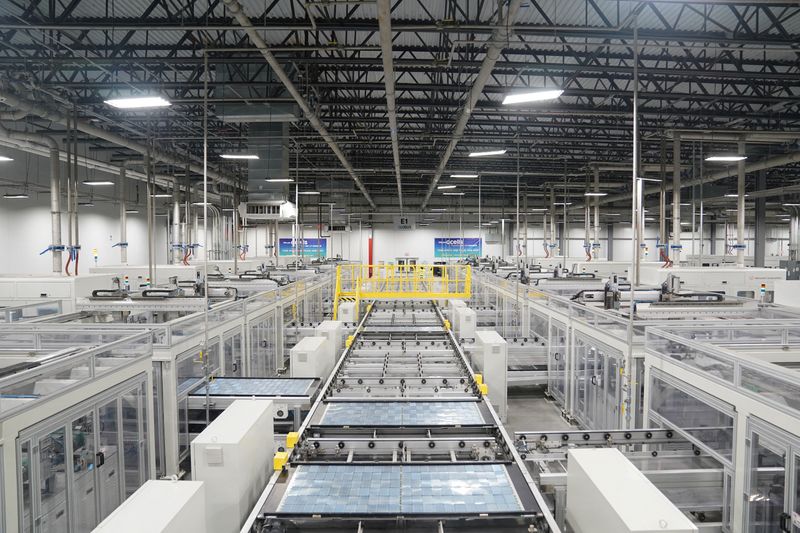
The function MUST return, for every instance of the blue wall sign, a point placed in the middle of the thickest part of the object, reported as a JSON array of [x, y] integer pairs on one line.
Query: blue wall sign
[[310, 247], [445, 247]]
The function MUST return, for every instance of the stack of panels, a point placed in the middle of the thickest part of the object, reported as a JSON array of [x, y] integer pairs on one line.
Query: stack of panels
[[400, 489]]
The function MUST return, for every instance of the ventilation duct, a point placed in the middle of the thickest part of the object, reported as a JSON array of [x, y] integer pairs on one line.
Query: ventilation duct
[[250, 84]]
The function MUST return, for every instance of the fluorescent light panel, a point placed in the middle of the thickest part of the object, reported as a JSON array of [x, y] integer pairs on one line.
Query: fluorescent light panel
[[453, 194], [279, 180], [5, 158], [735, 195], [16, 195], [138, 102], [239, 156], [725, 158], [532, 96], [487, 153], [309, 193], [463, 175], [162, 195], [94, 183], [442, 187], [593, 193]]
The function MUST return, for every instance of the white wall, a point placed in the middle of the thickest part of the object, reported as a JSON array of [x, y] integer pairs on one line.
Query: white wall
[[388, 243], [26, 232]]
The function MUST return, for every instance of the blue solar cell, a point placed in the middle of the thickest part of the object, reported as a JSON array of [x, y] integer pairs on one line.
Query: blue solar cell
[[418, 489], [401, 414]]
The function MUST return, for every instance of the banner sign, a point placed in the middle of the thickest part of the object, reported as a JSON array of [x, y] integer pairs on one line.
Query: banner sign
[[310, 247], [457, 247]]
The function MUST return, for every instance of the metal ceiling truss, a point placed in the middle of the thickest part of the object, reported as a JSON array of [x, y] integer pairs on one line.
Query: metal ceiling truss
[[715, 65]]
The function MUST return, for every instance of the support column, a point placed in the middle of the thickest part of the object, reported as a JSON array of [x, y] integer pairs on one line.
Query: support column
[[610, 242], [740, 246], [760, 248], [676, 199], [123, 218]]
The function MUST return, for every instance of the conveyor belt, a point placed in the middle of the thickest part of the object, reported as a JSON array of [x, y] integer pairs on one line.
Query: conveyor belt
[[402, 439]]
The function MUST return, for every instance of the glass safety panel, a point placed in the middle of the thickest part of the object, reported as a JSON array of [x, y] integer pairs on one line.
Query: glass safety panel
[[83, 468], [52, 514], [795, 518], [767, 485], [108, 458], [133, 440], [557, 363], [232, 348], [687, 410], [183, 427], [24, 483]]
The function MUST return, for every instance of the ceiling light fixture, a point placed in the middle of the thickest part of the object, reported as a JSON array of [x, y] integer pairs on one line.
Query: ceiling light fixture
[[562, 203], [162, 195], [735, 195], [791, 205], [239, 156], [533, 96], [16, 195], [86, 204], [138, 102], [595, 193], [309, 193], [488, 153], [5, 158], [440, 209], [453, 194], [463, 175], [650, 179], [279, 180], [725, 158], [131, 211], [441, 187], [94, 183]]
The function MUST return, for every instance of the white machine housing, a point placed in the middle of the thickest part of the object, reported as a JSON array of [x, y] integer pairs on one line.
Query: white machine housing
[[309, 358], [232, 457], [490, 358], [17, 289], [347, 312], [733, 281], [606, 493], [160, 507], [465, 322], [334, 332]]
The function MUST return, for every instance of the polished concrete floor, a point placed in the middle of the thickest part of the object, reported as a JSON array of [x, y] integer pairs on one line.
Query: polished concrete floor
[[529, 410]]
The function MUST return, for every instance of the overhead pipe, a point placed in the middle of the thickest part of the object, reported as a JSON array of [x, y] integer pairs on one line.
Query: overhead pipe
[[237, 11], [499, 38], [740, 246], [385, 25], [55, 186], [59, 117], [676, 200]]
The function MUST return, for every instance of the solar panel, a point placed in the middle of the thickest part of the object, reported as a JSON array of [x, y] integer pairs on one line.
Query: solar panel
[[414, 489], [402, 414], [258, 387]]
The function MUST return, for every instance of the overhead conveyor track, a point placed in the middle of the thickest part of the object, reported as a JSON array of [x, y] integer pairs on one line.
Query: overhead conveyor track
[[403, 438]]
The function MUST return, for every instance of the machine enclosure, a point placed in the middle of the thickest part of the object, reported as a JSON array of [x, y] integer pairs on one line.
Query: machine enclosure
[[606, 493], [310, 358], [232, 456], [160, 507], [333, 330], [490, 358]]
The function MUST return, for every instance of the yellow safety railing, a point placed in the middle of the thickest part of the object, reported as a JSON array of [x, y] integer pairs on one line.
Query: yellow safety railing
[[400, 282]]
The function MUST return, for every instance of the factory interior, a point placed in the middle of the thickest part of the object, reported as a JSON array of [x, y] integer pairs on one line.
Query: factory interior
[[412, 266]]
